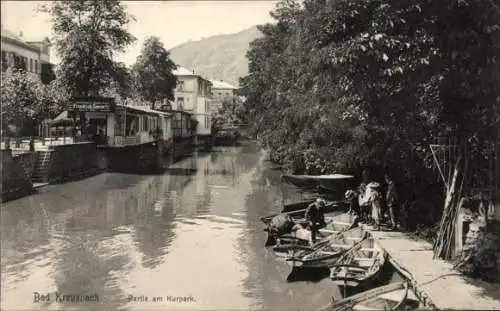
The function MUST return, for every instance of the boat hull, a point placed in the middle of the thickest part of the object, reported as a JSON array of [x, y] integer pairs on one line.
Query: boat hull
[[322, 262], [141, 158], [394, 296], [360, 265]]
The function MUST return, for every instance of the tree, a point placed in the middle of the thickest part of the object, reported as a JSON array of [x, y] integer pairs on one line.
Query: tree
[[152, 72], [88, 33], [337, 85], [232, 111], [121, 86], [47, 75], [26, 101]]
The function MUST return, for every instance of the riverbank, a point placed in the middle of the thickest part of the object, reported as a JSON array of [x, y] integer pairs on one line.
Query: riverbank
[[436, 280]]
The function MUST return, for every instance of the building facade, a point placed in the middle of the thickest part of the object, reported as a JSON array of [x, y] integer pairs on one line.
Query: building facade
[[33, 56], [221, 91], [193, 94]]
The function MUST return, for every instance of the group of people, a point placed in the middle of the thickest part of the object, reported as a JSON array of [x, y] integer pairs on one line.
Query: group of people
[[367, 202], [370, 204]]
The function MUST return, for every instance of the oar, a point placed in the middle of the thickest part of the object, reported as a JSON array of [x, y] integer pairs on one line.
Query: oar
[[286, 213]]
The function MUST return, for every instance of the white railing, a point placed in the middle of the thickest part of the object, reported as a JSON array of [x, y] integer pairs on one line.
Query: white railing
[[39, 144], [130, 140]]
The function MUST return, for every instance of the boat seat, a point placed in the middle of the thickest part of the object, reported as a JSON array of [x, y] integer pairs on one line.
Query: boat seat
[[341, 246], [341, 223], [329, 231]]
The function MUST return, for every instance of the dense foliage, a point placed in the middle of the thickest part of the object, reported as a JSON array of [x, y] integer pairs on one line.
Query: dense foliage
[[231, 111], [26, 101], [337, 85], [153, 74], [88, 33]]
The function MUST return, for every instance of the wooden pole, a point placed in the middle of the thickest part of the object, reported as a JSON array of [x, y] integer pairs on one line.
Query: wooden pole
[[446, 219]]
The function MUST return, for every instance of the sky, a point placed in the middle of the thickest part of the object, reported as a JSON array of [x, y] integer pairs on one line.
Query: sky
[[174, 22]]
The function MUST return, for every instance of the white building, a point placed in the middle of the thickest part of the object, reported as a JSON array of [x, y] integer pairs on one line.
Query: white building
[[221, 91], [32, 55], [193, 94]]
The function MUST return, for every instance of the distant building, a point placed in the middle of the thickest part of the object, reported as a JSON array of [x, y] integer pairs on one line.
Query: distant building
[[31, 55], [193, 94], [221, 91]]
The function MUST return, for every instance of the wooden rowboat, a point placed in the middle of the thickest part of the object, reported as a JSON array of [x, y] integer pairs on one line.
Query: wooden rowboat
[[360, 264], [298, 210], [395, 297], [335, 224], [326, 253]]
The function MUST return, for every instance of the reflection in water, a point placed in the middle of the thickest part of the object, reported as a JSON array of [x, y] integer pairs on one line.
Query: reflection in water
[[194, 231]]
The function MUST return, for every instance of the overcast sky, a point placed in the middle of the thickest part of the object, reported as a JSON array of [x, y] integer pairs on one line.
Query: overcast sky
[[175, 22]]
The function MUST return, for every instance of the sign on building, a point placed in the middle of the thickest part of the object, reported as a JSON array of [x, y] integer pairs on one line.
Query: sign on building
[[92, 105]]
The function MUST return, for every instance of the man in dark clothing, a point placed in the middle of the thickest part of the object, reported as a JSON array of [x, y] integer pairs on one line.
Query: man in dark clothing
[[315, 216], [391, 199], [352, 199]]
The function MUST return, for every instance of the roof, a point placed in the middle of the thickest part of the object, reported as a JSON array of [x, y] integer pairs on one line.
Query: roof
[[14, 38], [9, 34], [182, 71], [146, 109], [222, 85]]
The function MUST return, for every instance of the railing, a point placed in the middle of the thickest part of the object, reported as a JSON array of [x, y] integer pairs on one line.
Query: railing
[[129, 140], [20, 145]]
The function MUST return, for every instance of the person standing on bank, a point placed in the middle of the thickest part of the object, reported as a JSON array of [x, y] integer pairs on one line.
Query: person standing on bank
[[375, 199], [391, 199], [315, 216], [363, 197]]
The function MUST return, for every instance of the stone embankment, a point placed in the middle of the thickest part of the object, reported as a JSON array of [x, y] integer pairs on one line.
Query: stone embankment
[[15, 182], [436, 282], [53, 165]]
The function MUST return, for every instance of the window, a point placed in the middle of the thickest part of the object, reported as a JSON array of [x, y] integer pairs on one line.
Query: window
[[31, 65], [207, 121], [180, 85], [36, 66], [207, 106], [145, 123], [180, 103]]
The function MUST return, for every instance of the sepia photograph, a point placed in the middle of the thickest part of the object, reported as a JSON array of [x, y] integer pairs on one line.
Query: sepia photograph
[[309, 155]]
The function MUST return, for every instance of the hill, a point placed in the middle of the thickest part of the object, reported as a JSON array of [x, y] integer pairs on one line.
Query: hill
[[220, 57]]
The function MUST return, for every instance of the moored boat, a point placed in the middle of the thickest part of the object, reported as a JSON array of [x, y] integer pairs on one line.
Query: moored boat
[[395, 296], [297, 235], [360, 264], [280, 226], [326, 253], [296, 211]]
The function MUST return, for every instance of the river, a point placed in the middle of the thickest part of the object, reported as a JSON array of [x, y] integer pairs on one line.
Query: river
[[193, 232]]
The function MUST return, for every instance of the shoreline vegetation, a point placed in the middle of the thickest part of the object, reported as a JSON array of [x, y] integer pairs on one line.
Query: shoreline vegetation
[[391, 86]]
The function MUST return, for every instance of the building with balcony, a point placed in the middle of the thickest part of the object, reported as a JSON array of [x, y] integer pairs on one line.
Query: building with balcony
[[193, 94], [33, 56]]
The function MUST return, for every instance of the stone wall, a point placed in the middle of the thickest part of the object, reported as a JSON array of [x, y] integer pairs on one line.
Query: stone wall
[[28, 162], [15, 183], [72, 162]]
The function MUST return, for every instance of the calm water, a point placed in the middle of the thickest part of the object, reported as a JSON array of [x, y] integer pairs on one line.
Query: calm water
[[192, 232]]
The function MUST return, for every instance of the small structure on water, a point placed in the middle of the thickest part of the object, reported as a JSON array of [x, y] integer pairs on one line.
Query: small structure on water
[[132, 138]]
